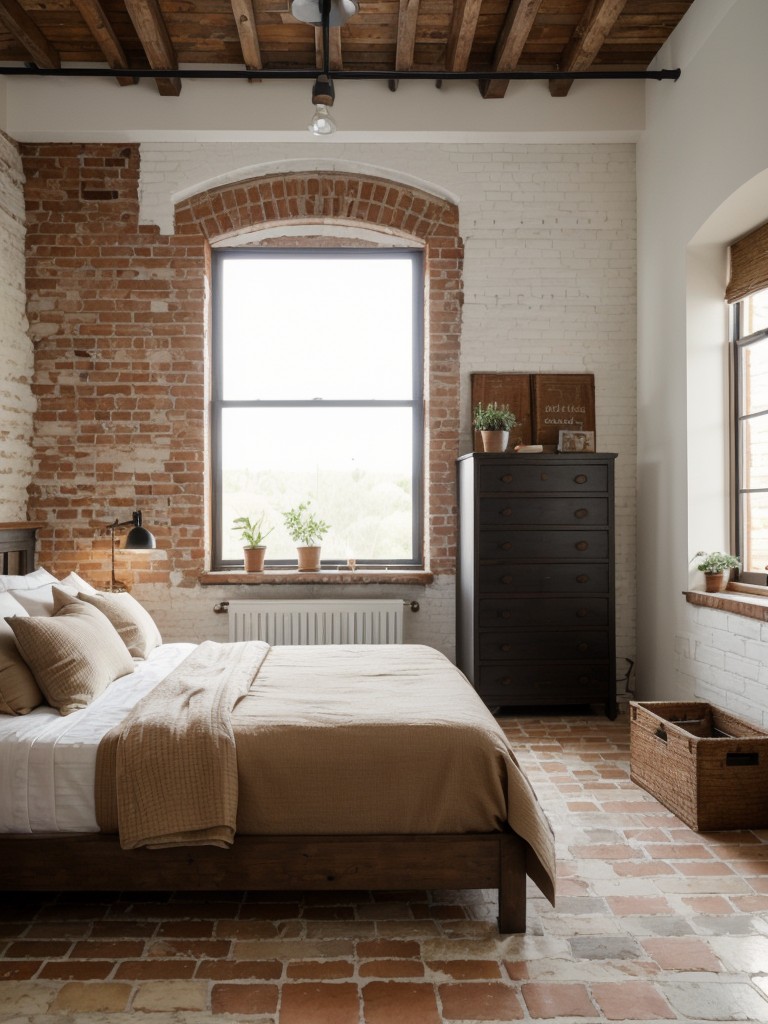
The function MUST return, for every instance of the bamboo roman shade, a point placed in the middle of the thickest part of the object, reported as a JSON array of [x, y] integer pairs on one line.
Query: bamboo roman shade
[[749, 264]]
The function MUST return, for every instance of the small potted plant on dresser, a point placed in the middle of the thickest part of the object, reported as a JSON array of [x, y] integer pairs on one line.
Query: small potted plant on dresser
[[306, 531], [494, 423], [253, 537], [716, 567]]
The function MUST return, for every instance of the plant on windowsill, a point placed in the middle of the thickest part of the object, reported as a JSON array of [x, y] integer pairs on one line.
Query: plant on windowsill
[[716, 567], [306, 531], [253, 536], [494, 423]]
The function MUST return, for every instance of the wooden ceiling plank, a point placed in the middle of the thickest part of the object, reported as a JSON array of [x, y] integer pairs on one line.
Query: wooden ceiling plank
[[245, 19], [462, 34], [24, 29], [102, 31], [153, 34], [407, 18], [599, 18], [521, 15]]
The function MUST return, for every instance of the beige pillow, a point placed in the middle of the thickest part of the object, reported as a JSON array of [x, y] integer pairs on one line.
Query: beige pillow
[[19, 692], [74, 654], [133, 622]]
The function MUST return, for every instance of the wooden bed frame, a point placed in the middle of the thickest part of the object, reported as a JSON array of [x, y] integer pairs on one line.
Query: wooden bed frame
[[96, 862]]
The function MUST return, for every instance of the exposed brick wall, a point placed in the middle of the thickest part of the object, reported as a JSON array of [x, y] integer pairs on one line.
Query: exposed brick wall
[[118, 313], [16, 354]]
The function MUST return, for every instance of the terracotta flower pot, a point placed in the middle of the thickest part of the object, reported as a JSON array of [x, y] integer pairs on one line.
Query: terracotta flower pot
[[309, 558], [495, 440], [714, 582], [253, 558]]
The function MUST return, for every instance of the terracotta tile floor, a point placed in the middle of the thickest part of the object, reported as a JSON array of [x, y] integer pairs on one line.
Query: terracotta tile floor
[[654, 922]]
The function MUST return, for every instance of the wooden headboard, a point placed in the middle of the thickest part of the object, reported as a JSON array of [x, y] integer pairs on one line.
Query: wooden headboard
[[17, 547]]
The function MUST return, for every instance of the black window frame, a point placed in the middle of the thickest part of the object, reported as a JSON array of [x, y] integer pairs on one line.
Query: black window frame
[[218, 404], [739, 343]]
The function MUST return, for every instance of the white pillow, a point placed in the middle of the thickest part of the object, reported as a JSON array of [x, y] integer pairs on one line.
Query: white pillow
[[77, 584], [31, 581]]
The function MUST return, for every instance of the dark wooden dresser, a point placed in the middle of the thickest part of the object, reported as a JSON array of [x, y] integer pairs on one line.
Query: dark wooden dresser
[[535, 579]]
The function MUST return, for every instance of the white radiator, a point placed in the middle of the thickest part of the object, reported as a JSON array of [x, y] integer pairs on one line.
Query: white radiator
[[317, 622]]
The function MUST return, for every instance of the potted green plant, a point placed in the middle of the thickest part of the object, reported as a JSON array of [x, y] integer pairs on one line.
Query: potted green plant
[[253, 536], [306, 531], [494, 423], [715, 565]]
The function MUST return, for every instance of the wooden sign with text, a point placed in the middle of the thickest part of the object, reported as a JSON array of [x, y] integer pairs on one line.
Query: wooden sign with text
[[544, 404]]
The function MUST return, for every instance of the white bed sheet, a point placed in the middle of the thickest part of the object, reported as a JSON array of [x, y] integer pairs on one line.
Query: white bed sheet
[[48, 760]]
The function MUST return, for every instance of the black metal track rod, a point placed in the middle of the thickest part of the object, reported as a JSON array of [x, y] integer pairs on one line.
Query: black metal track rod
[[243, 73]]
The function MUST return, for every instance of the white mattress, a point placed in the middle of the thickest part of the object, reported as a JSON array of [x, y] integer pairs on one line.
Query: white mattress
[[48, 760]]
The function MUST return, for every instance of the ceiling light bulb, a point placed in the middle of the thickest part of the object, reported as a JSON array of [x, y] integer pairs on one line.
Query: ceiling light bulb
[[322, 123]]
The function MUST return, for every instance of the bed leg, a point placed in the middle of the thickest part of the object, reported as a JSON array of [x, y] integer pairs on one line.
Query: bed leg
[[512, 883]]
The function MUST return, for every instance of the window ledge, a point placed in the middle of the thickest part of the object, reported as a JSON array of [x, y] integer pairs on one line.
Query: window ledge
[[329, 576], [753, 604]]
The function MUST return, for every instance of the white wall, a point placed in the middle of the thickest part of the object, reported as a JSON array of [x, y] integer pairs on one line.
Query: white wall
[[549, 285], [16, 355], [704, 142]]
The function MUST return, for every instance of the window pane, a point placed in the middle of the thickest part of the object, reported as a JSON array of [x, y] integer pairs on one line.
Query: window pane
[[754, 455], [304, 328], [755, 531], [754, 377], [754, 313], [355, 466]]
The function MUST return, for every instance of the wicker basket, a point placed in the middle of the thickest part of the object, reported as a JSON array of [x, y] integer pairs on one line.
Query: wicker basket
[[707, 767]]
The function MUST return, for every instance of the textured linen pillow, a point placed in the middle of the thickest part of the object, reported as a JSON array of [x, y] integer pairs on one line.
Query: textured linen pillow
[[19, 692], [132, 621], [77, 584], [74, 654]]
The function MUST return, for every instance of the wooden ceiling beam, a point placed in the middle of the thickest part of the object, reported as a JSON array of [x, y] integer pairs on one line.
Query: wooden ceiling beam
[[462, 34], [586, 41], [20, 25], [153, 34], [335, 59], [245, 19], [521, 15], [407, 18], [100, 28]]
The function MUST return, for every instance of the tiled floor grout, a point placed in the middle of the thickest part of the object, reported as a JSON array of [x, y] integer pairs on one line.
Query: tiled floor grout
[[653, 922]]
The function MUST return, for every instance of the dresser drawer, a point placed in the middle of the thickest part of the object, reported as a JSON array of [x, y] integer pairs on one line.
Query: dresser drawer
[[524, 476], [542, 684], [544, 578], [545, 645], [555, 544], [573, 510], [498, 613]]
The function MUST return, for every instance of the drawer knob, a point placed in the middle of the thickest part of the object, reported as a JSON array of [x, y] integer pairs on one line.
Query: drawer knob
[[582, 545], [584, 679], [506, 647], [583, 578], [505, 615], [506, 681], [580, 479], [507, 478], [545, 476], [581, 613], [506, 511], [582, 647], [507, 579], [506, 546], [581, 513]]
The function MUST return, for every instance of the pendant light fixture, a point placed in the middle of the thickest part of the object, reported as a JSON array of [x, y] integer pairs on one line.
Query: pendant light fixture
[[326, 13]]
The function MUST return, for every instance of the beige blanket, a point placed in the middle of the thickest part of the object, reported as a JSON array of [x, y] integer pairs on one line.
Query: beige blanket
[[374, 740], [168, 772]]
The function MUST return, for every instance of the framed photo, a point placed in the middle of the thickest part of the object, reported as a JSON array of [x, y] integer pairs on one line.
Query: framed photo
[[576, 441]]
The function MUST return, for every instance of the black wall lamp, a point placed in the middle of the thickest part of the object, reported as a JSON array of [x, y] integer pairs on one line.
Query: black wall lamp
[[138, 539]]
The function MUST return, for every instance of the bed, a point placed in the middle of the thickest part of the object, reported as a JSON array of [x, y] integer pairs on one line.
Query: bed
[[345, 798]]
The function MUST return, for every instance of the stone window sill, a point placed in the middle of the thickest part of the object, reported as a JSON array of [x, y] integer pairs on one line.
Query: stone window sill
[[738, 599], [326, 576]]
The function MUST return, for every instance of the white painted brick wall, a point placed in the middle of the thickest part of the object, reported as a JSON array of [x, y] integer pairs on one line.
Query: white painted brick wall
[[549, 283], [723, 658], [16, 353]]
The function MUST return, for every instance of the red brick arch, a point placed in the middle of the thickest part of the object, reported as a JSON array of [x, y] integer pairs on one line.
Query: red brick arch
[[390, 207]]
